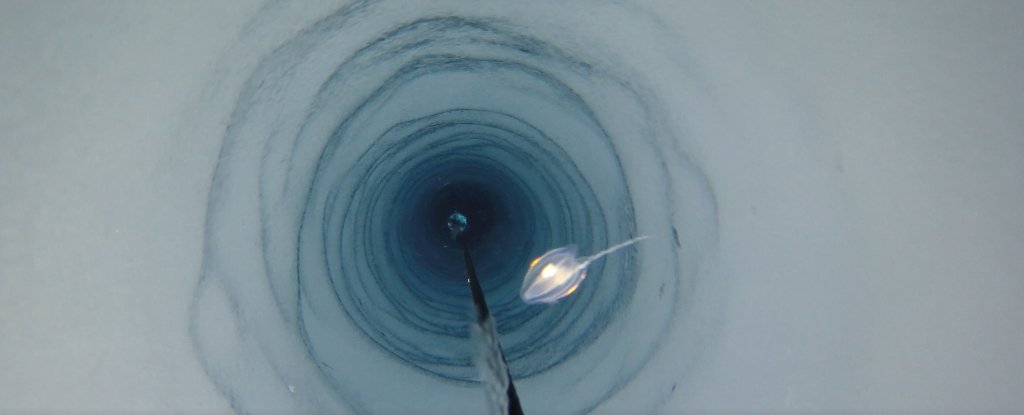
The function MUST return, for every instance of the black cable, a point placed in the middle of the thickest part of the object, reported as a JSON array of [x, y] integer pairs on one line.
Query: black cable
[[457, 224]]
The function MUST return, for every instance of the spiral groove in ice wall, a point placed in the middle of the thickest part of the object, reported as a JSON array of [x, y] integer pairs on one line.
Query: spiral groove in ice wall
[[325, 228]]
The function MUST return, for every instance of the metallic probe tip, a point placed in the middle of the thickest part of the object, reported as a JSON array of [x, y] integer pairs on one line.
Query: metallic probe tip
[[457, 224]]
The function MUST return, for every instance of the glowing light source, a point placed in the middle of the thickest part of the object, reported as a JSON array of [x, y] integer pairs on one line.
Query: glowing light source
[[559, 272]]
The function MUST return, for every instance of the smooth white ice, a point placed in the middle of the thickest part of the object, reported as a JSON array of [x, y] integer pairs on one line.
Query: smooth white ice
[[870, 191]]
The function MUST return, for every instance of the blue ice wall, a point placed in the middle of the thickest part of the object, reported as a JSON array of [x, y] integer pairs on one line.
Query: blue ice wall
[[239, 206], [344, 154]]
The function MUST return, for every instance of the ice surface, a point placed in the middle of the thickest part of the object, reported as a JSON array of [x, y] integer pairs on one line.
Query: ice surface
[[833, 193]]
